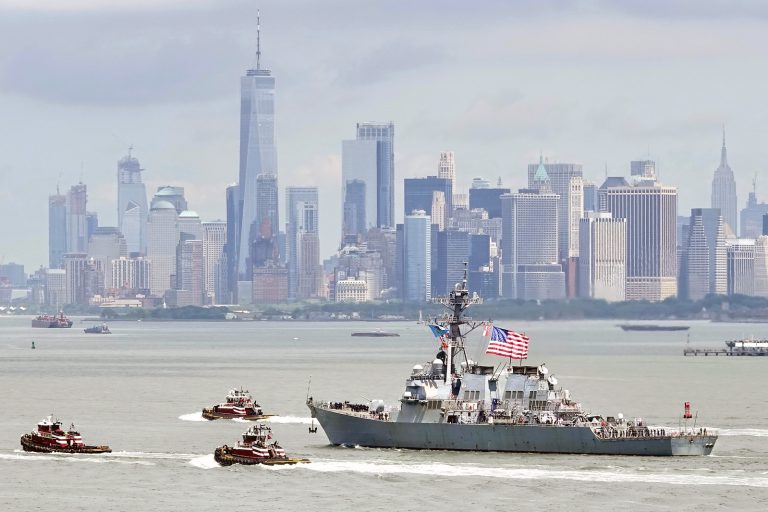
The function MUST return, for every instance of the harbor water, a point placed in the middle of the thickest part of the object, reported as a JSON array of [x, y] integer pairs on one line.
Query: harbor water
[[141, 390]]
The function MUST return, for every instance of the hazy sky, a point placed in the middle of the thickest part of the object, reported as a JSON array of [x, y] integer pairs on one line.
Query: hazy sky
[[597, 82]]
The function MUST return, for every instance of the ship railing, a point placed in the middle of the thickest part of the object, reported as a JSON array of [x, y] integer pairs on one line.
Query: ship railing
[[612, 432]]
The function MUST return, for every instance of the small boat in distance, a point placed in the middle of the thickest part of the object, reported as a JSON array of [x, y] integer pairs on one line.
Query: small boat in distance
[[255, 448], [653, 327], [239, 404], [52, 321], [98, 329], [378, 333], [50, 437]]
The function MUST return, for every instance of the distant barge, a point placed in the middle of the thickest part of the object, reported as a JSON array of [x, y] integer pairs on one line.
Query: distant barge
[[653, 327], [375, 334]]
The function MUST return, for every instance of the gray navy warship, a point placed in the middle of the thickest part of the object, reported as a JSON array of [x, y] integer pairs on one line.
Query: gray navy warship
[[454, 403]]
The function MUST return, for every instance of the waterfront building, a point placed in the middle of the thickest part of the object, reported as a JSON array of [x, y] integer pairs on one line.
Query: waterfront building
[[705, 255], [190, 277], [13, 274], [258, 156], [57, 229], [761, 266], [529, 235], [77, 225], [566, 180], [162, 241], [131, 203], [741, 266], [214, 243], [476, 221], [752, 217], [107, 244], [417, 257], [541, 281], [84, 278], [351, 290], [270, 284], [651, 212], [724, 190], [384, 242], [295, 197], [602, 257], [55, 288], [130, 276]]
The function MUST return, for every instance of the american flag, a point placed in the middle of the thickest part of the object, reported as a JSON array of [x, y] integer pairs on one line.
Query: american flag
[[508, 343]]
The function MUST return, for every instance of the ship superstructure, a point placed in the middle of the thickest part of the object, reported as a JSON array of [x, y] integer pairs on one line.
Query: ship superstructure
[[455, 403], [239, 404]]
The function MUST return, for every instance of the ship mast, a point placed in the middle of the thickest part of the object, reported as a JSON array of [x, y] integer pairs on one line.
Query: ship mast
[[457, 302]]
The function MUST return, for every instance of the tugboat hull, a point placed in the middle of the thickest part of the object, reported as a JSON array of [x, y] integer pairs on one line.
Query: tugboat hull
[[210, 414], [351, 430], [28, 444], [225, 458]]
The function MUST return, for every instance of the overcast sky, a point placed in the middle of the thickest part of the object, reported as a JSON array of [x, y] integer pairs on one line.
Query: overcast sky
[[597, 82]]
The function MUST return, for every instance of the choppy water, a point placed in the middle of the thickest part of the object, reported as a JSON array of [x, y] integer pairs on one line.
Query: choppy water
[[140, 390]]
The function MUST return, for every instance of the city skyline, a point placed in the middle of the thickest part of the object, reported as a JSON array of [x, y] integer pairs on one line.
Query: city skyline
[[202, 161]]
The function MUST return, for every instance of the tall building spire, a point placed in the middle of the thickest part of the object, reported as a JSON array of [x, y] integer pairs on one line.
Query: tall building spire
[[258, 39], [723, 152]]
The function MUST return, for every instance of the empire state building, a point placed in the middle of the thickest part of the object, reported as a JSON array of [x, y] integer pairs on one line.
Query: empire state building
[[724, 190]]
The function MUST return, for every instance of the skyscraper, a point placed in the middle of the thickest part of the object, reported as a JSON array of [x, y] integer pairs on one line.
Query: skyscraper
[[294, 196], [265, 227], [529, 236], [131, 203], [741, 266], [417, 264], [233, 233], [162, 241], [258, 155], [643, 169], [77, 226], [57, 230], [651, 212], [214, 242], [602, 257], [761, 266], [359, 169], [446, 167], [706, 255], [384, 135], [107, 244], [309, 276], [566, 180], [419, 194], [724, 190], [488, 199], [752, 216], [354, 220]]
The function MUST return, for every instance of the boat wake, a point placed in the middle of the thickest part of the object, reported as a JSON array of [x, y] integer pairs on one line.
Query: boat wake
[[529, 473], [151, 455], [746, 432], [195, 416], [205, 462], [290, 419], [70, 457]]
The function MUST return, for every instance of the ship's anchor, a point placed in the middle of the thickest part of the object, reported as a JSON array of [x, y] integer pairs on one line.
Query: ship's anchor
[[312, 427]]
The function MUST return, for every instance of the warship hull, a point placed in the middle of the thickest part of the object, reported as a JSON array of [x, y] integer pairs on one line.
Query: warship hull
[[352, 430]]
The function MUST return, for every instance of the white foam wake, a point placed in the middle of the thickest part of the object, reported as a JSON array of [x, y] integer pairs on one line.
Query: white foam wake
[[528, 473], [195, 416], [290, 419], [205, 462], [748, 432], [151, 455], [69, 457]]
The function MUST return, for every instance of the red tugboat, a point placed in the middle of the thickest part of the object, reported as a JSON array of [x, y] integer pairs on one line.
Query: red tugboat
[[255, 448], [239, 404], [50, 437]]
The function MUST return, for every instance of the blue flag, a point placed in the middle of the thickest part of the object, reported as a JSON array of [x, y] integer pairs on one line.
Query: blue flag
[[438, 331]]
